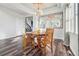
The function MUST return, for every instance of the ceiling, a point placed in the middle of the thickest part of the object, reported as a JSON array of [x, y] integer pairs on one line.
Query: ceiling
[[28, 8], [46, 5]]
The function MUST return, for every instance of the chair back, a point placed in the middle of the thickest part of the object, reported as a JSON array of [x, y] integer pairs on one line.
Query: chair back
[[49, 33]]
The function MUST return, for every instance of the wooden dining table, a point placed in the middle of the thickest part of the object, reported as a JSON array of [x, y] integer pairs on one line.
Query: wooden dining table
[[35, 35]]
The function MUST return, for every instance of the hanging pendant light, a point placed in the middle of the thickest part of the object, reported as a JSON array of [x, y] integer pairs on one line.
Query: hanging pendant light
[[38, 7]]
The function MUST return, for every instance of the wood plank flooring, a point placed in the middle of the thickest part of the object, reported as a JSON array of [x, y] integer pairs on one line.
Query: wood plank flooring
[[58, 50], [13, 47]]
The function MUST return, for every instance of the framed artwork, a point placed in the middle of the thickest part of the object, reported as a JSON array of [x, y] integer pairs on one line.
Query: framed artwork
[[28, 24], [52, 20]]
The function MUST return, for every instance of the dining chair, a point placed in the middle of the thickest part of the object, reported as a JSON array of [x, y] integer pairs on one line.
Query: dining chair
[[27, 40], [24, 41], [38, 38], [49, 38]]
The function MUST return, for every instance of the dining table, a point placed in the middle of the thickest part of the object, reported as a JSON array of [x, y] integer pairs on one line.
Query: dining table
[[38, 36]]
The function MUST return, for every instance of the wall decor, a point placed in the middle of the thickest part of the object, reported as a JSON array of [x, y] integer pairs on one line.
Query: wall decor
[[54, 20]]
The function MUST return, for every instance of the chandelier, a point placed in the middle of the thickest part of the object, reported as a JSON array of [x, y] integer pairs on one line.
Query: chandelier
[[39, 8]]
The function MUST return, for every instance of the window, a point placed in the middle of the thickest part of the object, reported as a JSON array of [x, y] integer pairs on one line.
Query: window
[[76, 16], [71, 18]]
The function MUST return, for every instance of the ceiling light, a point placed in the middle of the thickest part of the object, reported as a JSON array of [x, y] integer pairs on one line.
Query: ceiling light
[[39, 8]]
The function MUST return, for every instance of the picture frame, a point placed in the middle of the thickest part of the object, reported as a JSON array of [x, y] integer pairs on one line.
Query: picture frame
[[55, 20]]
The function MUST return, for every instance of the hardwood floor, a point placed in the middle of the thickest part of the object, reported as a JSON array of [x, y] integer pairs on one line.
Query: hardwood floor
[[13, 47], [58, 50]]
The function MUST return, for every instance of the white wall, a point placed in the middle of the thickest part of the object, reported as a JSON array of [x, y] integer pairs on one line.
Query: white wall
[[59, 34], [20, 26], [74, 43], [11, 23]]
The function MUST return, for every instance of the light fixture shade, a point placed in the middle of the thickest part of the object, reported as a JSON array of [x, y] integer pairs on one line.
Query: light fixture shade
[[39, 8]]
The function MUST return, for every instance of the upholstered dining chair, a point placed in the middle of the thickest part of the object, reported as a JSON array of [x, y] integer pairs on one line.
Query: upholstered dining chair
[[24, 41], [38, 38], [49, 38], [27, 40]]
